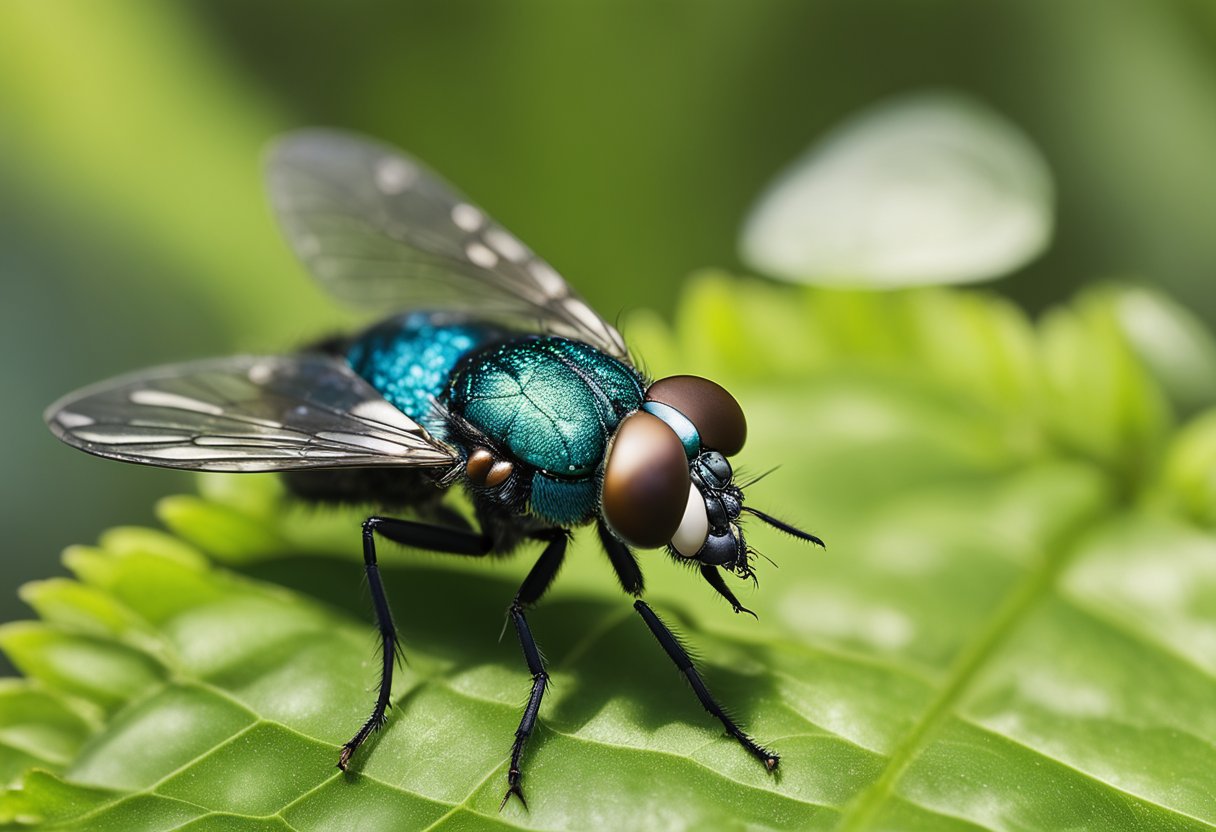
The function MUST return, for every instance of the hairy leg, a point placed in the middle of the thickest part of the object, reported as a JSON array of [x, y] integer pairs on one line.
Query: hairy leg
[[534, 586], [420, 536], [680, 656]]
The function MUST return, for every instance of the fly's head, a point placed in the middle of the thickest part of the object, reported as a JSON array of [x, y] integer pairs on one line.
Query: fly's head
[[668, 482], [709, 531]]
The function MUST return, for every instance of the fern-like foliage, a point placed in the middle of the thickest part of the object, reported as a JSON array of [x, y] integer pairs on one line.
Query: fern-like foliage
[[1014, 626]]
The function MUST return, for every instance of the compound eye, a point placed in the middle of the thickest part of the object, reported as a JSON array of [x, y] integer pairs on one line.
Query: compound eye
[[694, 528], [646, 482], [713, 411]]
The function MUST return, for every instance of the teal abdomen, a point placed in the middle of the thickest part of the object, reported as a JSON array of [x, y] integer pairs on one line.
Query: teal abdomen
[[552, 402], [410, 360]]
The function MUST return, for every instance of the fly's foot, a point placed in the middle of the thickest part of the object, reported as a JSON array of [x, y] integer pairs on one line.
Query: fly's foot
[[344, 755], [513, 778]]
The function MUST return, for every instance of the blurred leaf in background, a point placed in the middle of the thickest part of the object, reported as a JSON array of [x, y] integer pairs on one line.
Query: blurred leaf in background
[[931, 188]]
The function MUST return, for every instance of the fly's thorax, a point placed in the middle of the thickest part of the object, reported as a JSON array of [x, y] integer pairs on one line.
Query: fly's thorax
[[549, 406], [550, 402], [667, 480]]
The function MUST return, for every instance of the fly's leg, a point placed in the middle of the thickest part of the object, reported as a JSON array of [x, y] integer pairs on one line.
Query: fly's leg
[[713, 576], [624, 564], [680, 656], [534, 586], [418, 536]]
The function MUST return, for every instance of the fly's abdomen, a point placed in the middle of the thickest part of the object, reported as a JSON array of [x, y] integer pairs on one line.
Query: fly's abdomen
[[410, 359], [553, 403]]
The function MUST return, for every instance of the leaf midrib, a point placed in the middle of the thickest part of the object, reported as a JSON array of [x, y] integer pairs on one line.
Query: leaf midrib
[[1017, 603]]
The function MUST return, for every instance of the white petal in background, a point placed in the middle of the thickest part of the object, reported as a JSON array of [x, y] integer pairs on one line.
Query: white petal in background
[[931, 188]]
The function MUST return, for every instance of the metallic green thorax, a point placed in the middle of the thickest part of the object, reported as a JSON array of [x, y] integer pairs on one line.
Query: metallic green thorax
[[554, 404]]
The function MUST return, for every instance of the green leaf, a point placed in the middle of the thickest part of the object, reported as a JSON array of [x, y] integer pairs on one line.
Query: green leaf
[[1012, 627], [1172, 342], [38, 728], [929, 188]]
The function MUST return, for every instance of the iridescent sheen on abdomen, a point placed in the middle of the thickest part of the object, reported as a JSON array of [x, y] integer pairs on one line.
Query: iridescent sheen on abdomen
[[410, 360]]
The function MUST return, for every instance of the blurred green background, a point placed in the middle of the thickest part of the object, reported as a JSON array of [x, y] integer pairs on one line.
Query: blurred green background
[[623, 140]]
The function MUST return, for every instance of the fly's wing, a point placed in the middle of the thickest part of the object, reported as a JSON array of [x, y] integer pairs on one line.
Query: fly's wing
[[377, 227], [244, 413]]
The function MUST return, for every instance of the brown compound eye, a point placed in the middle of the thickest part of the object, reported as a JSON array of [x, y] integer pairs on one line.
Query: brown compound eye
[[645, 482], [713, 411]]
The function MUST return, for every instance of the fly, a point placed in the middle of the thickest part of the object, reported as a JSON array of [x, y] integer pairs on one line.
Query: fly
[[491, 375]]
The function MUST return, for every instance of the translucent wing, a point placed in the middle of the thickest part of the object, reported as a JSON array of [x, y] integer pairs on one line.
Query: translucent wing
[[377, 227], [244, 413]]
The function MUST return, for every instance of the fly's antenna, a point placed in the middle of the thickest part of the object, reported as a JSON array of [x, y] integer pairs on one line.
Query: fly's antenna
[[758, 477], [757, 553], [783, 526]]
